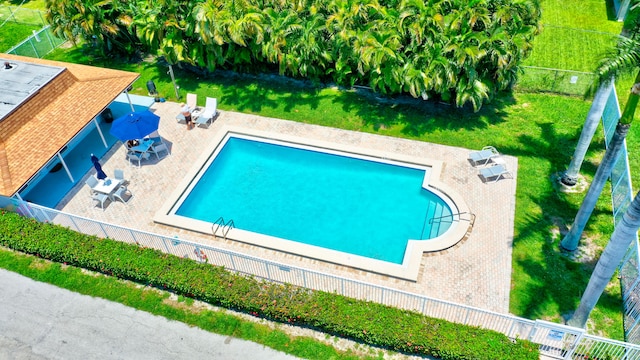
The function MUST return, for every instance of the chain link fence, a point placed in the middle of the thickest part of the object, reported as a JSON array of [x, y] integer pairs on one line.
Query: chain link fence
[[20, 15], [566, 82], [28, 29], [621, 197], [37, 45]]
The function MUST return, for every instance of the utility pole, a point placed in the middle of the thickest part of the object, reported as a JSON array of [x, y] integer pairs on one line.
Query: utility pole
[[173, 80]]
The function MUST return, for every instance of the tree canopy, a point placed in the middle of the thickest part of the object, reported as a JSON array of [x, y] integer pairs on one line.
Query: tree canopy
[[462, 51]]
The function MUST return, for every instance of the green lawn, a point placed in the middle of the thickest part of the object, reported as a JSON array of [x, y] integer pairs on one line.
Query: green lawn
[[29, 13], [14, 33]]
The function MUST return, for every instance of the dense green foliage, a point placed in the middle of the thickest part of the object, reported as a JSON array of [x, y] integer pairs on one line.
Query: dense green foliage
[[459, 50], [368, 322]]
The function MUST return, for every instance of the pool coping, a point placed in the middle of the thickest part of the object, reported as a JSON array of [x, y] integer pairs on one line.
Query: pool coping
[[408, 270]]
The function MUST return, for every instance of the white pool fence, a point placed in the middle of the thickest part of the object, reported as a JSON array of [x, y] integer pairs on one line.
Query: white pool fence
[[556, 341]]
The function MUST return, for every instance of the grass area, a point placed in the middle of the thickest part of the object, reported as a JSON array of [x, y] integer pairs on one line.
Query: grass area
[[574, 37], [595, 15], [569, 48], [28, 13], [182, 309], [14, 33]]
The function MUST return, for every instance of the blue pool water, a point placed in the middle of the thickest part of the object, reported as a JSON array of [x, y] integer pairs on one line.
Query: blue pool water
[[337, 202]]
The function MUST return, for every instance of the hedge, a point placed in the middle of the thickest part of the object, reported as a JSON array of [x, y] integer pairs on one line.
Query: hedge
[[368, 322]]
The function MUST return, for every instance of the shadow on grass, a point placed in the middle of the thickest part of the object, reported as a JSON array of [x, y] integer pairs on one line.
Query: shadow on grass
[[549, 279]]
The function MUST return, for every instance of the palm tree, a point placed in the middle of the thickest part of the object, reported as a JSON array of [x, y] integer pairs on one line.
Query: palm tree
[[624, 59], [570, 177], [605, 268], [108, 22]]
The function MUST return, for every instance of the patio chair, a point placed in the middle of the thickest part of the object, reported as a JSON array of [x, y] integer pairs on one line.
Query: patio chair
[[100, 198], [118, 174], [157, 149], [122, 193], [192, 102], [210, 111], [136, 156], [494, 173], [483, 156], [91, 183]]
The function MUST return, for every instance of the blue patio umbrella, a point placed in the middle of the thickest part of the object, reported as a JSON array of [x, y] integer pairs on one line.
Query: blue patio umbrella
[[135, 125], [96, 163]]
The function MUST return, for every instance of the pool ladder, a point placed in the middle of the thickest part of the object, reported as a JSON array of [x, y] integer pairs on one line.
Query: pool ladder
[[472, 217], [223, 226], [445, 218]]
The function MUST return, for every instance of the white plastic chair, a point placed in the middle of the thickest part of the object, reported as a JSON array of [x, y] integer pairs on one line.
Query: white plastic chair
[[122, 193], [482, 157], [158, 148], [101, 198], [495, 172], [210, 111], [135, 156], [118, 174], [91, 183], [192, 102]]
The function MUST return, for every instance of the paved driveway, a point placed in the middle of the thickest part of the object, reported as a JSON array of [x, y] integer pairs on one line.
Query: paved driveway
[[41, 321]]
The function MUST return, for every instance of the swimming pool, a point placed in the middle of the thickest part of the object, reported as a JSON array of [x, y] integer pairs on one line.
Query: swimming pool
[[304, 195], [315, 200]]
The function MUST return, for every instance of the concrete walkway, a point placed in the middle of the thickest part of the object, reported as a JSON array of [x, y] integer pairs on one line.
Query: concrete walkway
[[41, 321]]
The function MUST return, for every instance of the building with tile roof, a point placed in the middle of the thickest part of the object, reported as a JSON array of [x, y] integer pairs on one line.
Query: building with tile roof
[[44, 104]]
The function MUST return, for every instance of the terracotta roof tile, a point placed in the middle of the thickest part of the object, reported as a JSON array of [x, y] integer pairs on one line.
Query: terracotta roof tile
[[35, 132]]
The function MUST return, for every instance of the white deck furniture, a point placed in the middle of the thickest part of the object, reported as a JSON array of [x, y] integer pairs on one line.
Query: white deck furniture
[[107, 187], [210, 111], [483, 156], [494, 172]]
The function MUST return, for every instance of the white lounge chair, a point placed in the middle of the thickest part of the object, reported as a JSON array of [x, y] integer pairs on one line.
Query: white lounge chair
[[483, 156], [192, 102], [210, 111], [494, 172]]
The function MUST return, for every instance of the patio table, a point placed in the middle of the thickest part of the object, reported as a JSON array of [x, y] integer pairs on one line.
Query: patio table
[[107, 186], [143, 147]]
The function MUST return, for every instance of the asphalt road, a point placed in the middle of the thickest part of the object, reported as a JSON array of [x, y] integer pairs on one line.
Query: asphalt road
[[41, 321]]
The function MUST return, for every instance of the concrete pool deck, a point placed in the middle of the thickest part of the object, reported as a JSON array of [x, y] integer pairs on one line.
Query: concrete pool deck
[[475, 272]]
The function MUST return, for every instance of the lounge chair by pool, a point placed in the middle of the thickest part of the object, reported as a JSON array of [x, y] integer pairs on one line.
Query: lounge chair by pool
[[483, 156], [494, 172]]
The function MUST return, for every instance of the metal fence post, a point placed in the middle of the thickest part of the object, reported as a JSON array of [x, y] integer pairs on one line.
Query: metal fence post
[[34, 48], [46, 32], [164, 241]]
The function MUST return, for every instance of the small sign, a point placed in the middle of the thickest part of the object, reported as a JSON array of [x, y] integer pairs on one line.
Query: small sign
[[555, 335], [574, 80]]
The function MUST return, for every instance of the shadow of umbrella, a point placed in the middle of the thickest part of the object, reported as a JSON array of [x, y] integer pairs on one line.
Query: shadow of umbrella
[[96, 163], [135, 125]]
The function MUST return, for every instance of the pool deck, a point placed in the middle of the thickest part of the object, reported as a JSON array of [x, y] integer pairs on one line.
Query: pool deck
[[475, 272]]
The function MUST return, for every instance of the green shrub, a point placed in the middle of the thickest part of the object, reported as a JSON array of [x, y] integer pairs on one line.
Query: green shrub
[[368, 322]]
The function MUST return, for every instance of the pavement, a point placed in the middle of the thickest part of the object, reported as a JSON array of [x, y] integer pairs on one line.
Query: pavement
[[41, 321]]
